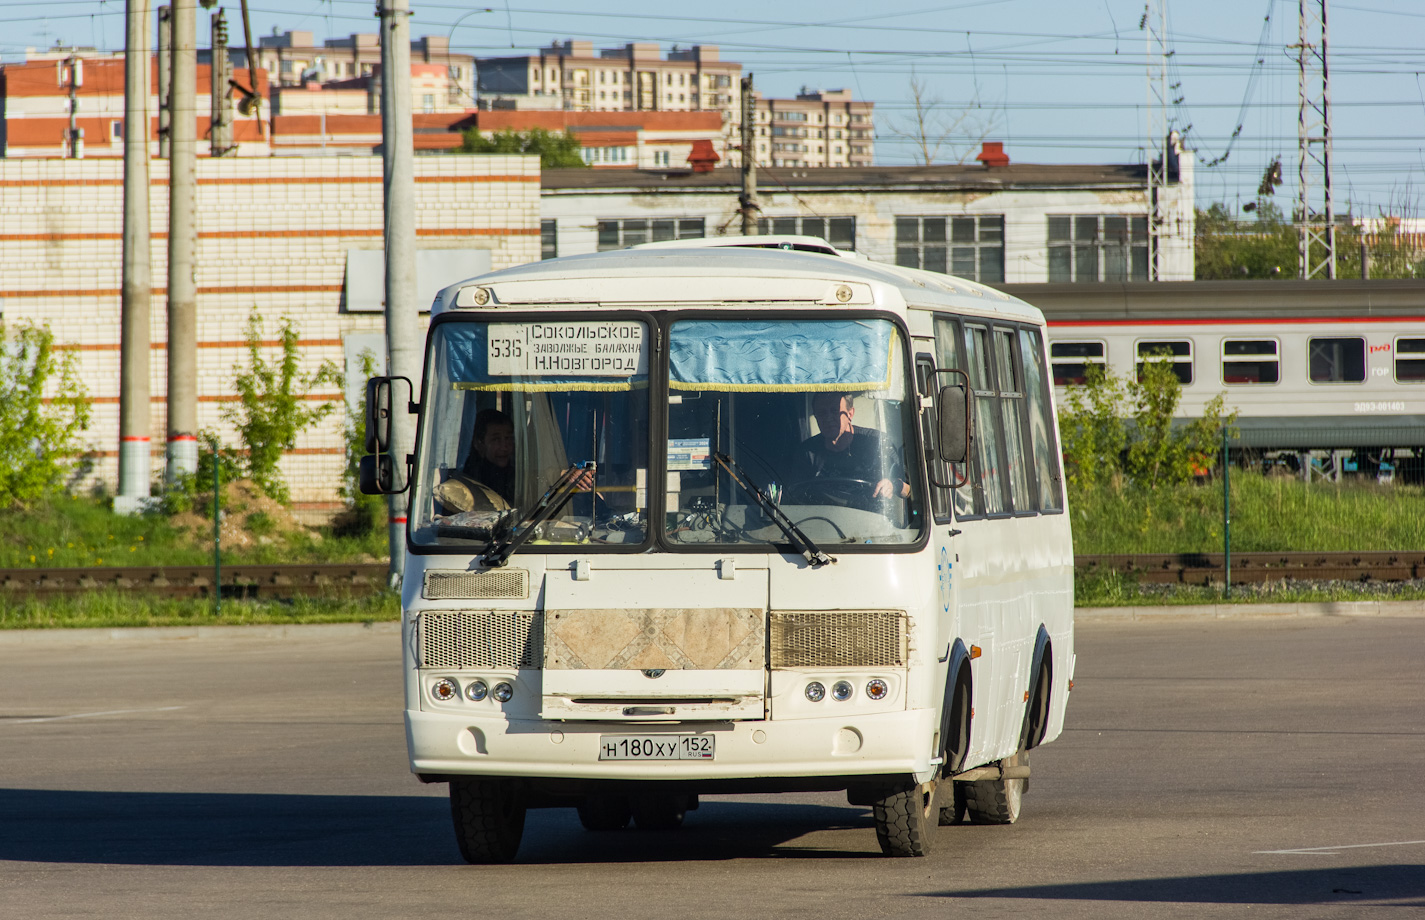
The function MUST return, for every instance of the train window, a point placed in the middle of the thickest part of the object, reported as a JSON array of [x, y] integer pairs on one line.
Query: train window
[[1071, 361], [1340, 360], [1041, 423], [1247, 361], [1177, 353], [1410, 360]]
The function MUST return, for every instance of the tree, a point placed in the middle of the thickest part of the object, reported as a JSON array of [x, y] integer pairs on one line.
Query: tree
[[933, 127], [271, 409], [44, 408], [555, 150], [1227, 249], [1391, 252]]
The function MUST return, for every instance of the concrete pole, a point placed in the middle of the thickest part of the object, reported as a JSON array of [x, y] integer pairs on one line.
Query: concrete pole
[[399, 188], [135, 461], [165, 77], [182, 237], [747, 203]]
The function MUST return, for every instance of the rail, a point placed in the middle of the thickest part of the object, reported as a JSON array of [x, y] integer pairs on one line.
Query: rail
[[1257, 567], [259, 581]]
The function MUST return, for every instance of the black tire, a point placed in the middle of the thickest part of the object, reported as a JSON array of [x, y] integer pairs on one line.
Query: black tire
[[659, 811], [605, 813], [904, 820], [996, 801], [489, 819]]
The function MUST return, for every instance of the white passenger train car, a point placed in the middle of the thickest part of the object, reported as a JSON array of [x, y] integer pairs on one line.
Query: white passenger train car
[[680, 585]]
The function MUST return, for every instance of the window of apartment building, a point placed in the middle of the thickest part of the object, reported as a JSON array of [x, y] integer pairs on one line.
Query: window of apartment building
[[838, 231], [1177, 354], [116, 129], [1098, 247], [1248, 361], [792, 116], [618, 234], [1336, 360], [428, 103], [971, 247], [548, 239]]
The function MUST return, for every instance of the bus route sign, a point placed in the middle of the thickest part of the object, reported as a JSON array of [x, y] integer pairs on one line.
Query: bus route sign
[[614, 348]]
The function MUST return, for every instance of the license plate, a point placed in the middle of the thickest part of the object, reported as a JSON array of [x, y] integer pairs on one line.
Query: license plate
[[656, 747]]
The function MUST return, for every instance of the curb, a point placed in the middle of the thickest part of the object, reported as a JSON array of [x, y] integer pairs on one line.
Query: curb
[[1243, 611], [176, 633]]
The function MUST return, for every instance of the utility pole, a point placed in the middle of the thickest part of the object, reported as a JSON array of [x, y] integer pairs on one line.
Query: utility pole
[[399, 190], [165, 78], [1156, 37], [76, 134], [747, 201], [221, 131], [182, 453], [135, 459], [1313, 136]]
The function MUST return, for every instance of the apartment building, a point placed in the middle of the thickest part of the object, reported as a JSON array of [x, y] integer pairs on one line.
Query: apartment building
[[294, 59], [817, 128]]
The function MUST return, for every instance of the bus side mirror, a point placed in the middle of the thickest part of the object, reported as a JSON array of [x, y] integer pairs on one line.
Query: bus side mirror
[[378, 415], [377, 475], [952, 413]]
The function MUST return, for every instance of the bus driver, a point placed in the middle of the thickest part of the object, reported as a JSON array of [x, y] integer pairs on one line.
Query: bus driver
[[843, 450]]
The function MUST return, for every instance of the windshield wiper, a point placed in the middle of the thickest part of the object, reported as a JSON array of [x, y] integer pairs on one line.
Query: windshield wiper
[[800, 541], [507, 538]]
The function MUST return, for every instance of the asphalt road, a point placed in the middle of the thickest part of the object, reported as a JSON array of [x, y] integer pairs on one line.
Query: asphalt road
[[1231, 768]]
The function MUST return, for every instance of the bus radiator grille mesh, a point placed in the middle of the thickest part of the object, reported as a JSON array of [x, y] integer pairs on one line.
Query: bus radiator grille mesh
[[462, 639], [838, 638], [505, 584]]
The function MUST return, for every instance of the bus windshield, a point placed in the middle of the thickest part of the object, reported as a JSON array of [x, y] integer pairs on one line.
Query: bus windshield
[[815, 415], [511, 406]]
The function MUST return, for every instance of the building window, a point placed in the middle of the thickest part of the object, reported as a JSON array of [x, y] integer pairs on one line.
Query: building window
[[548, 239], [838, 231], [594, 155], [619, 234], [1098, 247], [116, 129], [428, 103], [1410, 360], [661, 158], [1070, 361], [971, 247], [1340, 360], [1248, 361], [1177, 354]]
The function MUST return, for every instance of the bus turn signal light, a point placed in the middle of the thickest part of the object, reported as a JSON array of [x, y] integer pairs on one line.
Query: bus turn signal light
[[975, 651]]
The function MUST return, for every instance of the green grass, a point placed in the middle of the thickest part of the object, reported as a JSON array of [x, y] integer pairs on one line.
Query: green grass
[[113, 609], [82, 531], [1269, 513]]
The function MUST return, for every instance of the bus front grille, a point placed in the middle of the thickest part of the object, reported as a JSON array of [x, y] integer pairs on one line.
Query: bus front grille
[[504, 584], [838, 638], [462, 639]]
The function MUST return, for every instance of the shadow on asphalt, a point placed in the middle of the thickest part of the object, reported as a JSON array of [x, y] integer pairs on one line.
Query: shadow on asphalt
[[214, 829], [1401, 885]]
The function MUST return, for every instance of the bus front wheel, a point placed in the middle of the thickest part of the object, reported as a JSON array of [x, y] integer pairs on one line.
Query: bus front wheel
[[489, 819], [905, 820]]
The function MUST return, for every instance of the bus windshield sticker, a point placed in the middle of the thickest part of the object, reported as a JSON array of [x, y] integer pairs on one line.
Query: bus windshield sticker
[[689, 454], [567, 349]]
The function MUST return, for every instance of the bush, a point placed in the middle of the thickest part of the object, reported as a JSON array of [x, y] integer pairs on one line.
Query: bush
[[39, 439]]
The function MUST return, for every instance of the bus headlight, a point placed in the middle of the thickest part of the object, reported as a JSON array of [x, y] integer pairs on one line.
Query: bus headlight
[[502, 692], [877, 689], [816, 692], [444, 690], [476, 691], [841, 691]]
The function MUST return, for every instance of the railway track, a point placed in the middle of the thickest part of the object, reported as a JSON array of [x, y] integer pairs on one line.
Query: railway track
[[336, 580]]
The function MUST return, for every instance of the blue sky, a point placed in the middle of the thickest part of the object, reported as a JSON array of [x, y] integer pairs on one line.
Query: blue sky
[[1058, 81]]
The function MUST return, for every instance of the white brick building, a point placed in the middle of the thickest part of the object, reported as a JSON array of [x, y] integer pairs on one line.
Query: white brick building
[[287, 237]]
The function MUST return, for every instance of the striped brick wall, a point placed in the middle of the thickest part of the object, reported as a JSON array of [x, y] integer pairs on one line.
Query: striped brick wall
[[273, 234]]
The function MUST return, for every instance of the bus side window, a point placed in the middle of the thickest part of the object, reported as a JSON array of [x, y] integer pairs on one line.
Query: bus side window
[[1041, 425], [989, 439], [947, 355], [1015, 417], [939, 470]]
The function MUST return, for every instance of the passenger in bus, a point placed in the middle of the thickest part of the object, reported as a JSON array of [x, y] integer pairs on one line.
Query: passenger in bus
[[843, 450]]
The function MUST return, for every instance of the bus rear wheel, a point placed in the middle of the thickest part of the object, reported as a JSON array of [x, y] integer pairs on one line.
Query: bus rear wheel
[[905, 820], [997, 801], [489, 819]]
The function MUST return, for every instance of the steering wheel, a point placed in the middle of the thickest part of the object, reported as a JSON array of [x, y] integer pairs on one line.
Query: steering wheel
[[838, 491]]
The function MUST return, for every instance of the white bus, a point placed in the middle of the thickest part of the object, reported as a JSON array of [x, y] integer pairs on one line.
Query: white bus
[[714, 520]]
